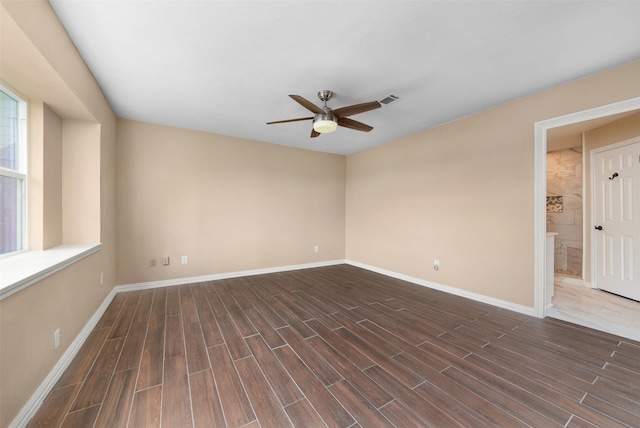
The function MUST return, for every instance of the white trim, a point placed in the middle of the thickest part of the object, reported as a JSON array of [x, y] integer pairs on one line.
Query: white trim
[[540, 185], [33, 404], [23, 269], [225, 275], [526, 310]]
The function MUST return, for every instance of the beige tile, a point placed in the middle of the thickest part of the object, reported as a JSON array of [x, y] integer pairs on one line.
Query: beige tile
[[595, 308]]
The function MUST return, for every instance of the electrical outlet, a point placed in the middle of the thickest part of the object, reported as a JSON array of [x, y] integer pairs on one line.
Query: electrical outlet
[[316, 249], [56, 339], [436, 264], [153, 262], [166, 261], [185, 260]]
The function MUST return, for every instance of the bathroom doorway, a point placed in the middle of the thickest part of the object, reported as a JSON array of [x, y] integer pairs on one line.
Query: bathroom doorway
[[568, 142], [575, 124]]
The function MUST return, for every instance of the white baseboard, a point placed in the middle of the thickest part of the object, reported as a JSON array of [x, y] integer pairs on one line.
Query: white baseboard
[[526, 310], [33, 404], [225, 275]]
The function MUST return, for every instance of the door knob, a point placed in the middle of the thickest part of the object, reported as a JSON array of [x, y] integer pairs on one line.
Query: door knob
[[598, 227]]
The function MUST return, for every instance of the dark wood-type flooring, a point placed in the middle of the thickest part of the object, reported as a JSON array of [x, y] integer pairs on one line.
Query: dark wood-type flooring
[[338, 346]]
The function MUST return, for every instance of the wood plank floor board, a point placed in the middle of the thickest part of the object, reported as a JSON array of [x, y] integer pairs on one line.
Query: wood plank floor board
[[329, 409], [235, 403], [152, 359], [265, 310], [176, 411], [323, 371], [453, 407], [282, 384], [146, 408], [82, 418], [338, 346], [232, 337], [618, 374], [423, 409], [357, 357], [268, 409], [174, 337], [316, 311], [624, 416], [196, 350], [292, 320], [490, 412], [116, 407], [213, 299], [552, 378], [269, 334], [95, 385], [302, 414], [240, 319], [583, 368], [387, 348], [112, 311], [371, 391], [360, 408], [510, 382], [55, 407], [502, 399], [400, 416], [407, 348], [173, 300], [386, 362], [84, 359], [210, 330], [207, 409], [615, 393], [125, 317]]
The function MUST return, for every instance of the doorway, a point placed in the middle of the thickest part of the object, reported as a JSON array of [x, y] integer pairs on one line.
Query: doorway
[[540, 185]]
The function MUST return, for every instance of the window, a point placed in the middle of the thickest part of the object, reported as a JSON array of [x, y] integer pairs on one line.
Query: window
[[13, 174]]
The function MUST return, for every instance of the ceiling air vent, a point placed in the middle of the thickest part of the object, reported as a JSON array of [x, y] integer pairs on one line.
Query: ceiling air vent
[[388, 100]]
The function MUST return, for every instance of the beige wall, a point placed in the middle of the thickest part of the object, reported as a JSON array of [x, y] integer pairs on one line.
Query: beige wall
[[615, 132], [463, 192], [226, 203], [39, 61], [81, 182]]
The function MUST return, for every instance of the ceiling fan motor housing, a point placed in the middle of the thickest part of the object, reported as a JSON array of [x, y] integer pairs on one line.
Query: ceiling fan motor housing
[[325, 95]]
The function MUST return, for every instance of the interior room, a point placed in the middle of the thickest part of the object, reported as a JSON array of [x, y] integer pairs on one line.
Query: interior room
[[179, 184]]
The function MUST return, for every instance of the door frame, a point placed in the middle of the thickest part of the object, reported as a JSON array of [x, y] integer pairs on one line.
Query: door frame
[[540, 185]]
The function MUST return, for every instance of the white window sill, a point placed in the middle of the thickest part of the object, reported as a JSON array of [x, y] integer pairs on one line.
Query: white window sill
[[22, 270]]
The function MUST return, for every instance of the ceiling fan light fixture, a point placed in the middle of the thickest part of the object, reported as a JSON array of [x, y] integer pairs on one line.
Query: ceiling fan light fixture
[[325, 123]]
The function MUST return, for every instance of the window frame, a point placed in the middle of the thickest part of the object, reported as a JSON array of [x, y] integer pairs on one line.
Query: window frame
[[21, 173]]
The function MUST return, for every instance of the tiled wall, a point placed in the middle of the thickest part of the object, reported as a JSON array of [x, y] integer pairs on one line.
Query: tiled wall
[[564, 178]]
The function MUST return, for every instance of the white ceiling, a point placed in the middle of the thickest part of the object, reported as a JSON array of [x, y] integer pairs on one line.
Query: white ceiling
[[227, 66]]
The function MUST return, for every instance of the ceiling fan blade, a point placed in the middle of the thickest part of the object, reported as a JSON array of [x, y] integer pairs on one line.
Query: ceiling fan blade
[[314, 133], [290, 120], [356, 109], [306, 104], [354, 124]]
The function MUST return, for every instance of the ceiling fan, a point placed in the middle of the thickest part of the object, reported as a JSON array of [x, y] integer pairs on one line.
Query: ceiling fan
[[326, 119]]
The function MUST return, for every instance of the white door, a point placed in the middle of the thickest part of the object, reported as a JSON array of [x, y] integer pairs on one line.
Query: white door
[[617, 220]]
